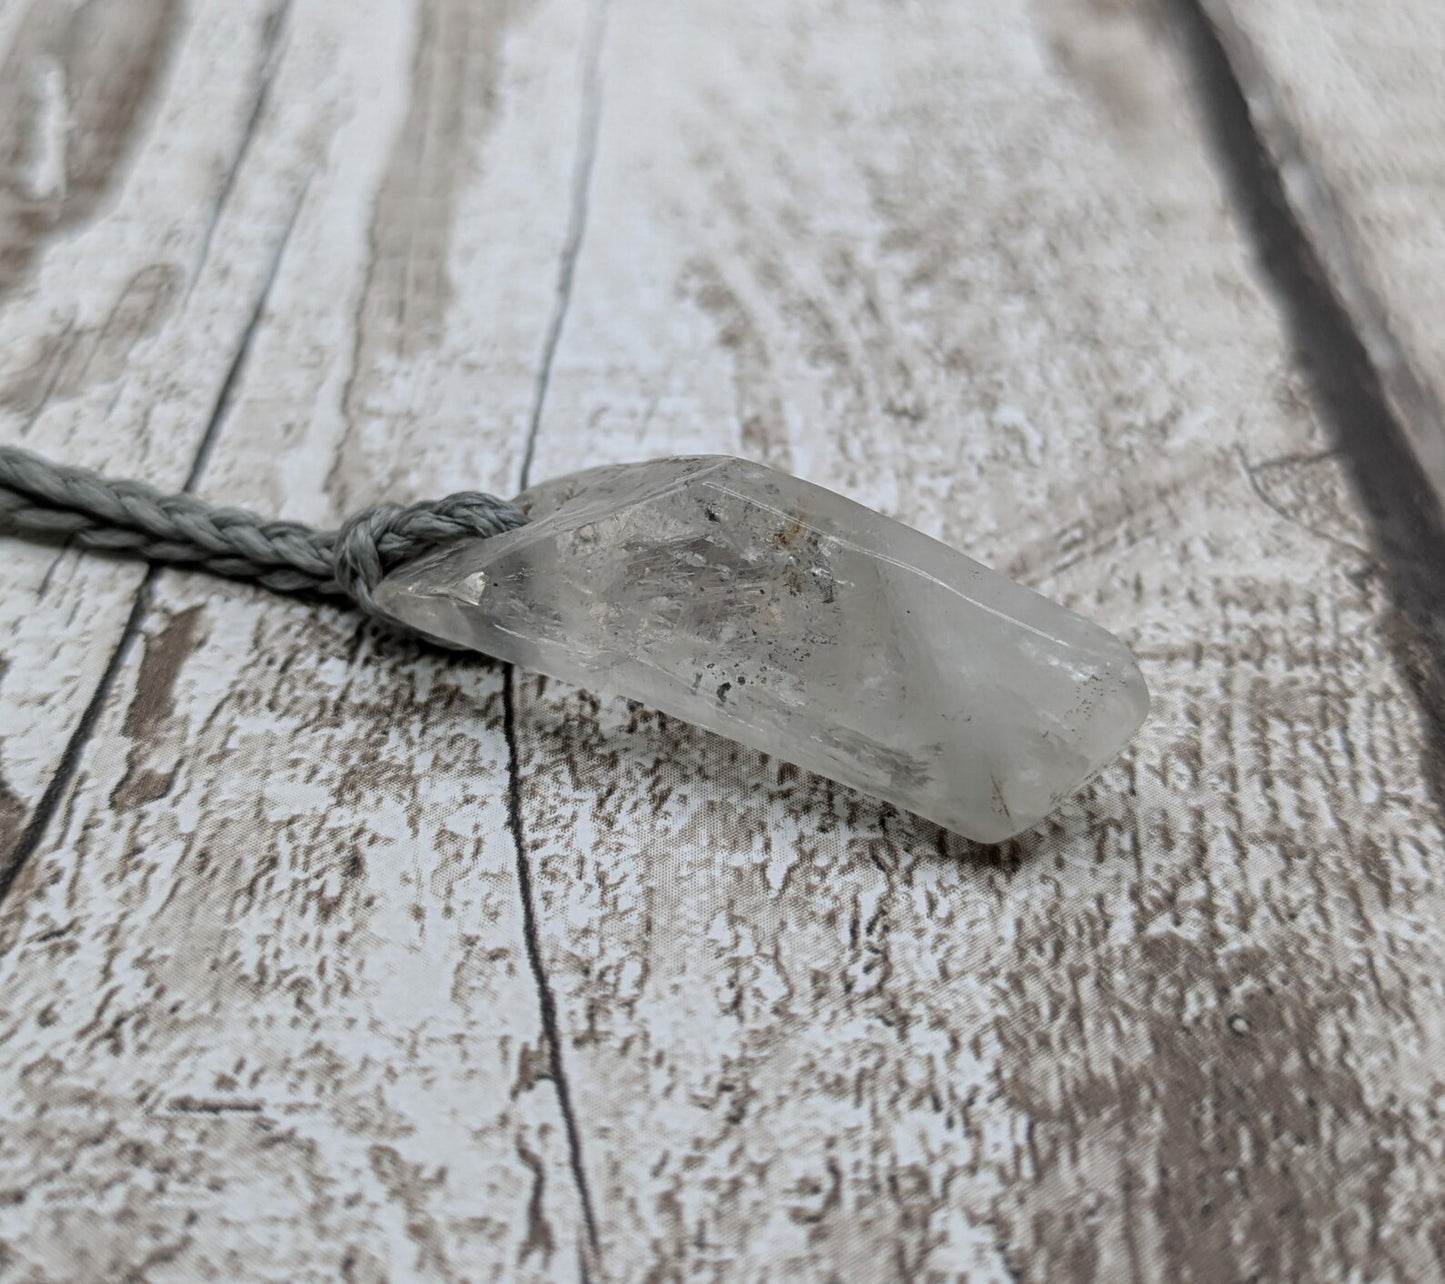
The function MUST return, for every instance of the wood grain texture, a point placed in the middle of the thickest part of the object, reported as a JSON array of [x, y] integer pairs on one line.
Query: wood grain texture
[[337, 957], [1347, 100], [966, 264], [280, 1027], [98, 312]]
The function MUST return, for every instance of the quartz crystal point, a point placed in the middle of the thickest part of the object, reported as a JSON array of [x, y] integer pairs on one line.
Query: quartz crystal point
[[784, 616]]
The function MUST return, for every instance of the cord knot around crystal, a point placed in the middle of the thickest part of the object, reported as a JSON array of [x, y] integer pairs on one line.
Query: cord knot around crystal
[[721, 592]]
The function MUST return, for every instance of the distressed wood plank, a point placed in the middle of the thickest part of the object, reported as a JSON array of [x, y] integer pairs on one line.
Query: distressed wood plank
[[268, 1007], [968, 263], [1347, 100], [270, 1004], [110, 283]]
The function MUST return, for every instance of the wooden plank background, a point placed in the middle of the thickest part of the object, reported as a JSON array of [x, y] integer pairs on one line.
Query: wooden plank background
[[329, 956], [1347, 100]]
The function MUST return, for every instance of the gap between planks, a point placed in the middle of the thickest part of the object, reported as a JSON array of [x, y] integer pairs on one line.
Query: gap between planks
[[584, 156], [1391, 481]]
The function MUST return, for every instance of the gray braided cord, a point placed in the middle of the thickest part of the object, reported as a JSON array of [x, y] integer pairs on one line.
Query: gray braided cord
[[44, 500]]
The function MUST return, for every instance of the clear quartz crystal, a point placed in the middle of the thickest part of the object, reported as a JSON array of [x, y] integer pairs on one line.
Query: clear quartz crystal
[[784, 616]]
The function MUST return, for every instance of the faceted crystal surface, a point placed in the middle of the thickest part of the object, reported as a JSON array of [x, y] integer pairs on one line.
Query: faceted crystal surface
[[786, 617]]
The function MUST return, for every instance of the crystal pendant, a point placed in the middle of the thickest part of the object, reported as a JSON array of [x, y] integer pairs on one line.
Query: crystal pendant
[[784, 616]]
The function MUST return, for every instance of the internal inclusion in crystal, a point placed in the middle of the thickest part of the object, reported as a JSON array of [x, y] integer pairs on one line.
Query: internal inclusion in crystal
[[793, 620]]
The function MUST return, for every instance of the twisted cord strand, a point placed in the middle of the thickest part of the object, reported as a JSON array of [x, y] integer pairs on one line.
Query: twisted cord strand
[[56, 502]]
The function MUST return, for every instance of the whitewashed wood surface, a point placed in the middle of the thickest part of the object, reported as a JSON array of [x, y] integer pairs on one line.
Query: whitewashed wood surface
[[1350, 101], [329, 956]]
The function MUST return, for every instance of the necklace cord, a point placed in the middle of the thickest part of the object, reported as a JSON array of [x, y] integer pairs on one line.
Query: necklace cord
[[59, 503]]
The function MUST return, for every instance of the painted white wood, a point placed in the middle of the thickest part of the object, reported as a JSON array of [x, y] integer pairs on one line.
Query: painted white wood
[[255, 1026], [1347, 99], [969, 264], [269, 1005]]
